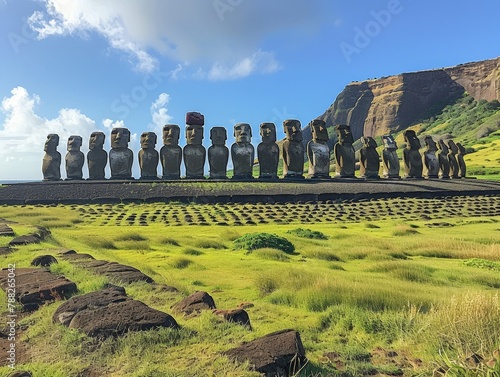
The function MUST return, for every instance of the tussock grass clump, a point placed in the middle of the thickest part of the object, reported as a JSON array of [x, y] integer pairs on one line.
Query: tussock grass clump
[[252, 241], [181, 263], [131, 237], [308, 233], [406, 271], [482, 263], [98, 242], [191, 251], [210, 244], [404, 230], [169, 241], [271, 254], [323, 255]]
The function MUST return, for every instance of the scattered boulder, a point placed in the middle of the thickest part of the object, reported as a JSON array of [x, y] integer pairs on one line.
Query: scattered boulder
[[34, 286], [25, 240], [117, 272], [195, 303], [239, 316], [110, 312], [20, 373], [72, 255], [277, 354], [43, 261], [6, 231], [6, 250]]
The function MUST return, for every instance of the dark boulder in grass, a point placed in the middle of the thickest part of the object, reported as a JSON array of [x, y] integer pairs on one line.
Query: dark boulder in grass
[[26, 240], [110, 312], [43, 261], [6, 231], [252, 241], [238, 316], [277, 354], [195, 303]]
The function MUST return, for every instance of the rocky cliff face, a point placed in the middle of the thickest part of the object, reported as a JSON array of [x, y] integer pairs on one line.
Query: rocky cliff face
[[391, 104]]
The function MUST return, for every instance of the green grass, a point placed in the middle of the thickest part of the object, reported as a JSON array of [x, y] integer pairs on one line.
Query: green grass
[[426, 292]]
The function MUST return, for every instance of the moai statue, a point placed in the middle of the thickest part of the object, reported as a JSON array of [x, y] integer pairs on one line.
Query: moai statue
[[390, 160], [462, 168], [452, 157], [74, 159], [431, 161], [444, 163], [411, 155], [97, 157], [268, 152], [218, 153], [171, 152], [345, 161], [121, 157], [318, 151], [194, 154], [51, 165], [148, 156], [369, 159], [242, 151], [293, 150]]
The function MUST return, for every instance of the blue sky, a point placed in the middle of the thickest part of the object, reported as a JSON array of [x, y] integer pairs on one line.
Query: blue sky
[[77, 66]]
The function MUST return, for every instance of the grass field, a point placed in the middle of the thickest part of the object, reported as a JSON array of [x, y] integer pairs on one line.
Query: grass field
[[386, 287]]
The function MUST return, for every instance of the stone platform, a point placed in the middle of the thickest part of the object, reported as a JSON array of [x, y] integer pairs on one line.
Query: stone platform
[[229, 191]]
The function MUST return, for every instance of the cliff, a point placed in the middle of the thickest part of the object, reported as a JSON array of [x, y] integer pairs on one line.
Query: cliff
[[391, 104]]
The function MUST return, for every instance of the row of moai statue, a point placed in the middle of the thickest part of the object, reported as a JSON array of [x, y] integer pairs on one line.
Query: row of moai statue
[[242, 153]]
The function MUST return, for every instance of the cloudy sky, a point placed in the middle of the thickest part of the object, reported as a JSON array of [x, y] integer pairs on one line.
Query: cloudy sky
[[75, 66]]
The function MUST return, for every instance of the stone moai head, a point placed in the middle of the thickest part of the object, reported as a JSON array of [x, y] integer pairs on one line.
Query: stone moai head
[[194, 134], [461, 149], [242, 133], [148, 140], [443, 147], [268, 132], [96, 140], [430, 144], [412, 139], [344, 134], [218, 135], [389, 142], [171, 133], [120, 137], [368, 142], [319, 131], [51, 143], [74, 143], [452, 146], [293, 130]]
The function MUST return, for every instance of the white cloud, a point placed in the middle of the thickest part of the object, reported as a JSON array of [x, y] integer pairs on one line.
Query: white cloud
[[159, 113], [222, 34]]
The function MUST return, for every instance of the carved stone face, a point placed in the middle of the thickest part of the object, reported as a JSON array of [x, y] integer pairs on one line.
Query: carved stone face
[[453, 147], [431, 144], [369, 142], [74, 143], [218, 135], [412, 139], [268, 132], [443, 147], [96, 140], [293, 130], [194, 134], [319, 131], [51, 143], [344, 134], [242, 133], [148, 140], [120, 137], [389, 142], [171, 133]]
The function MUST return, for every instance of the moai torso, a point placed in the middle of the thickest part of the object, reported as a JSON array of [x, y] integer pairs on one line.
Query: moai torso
[[120, 157], [242, 152], [218, 153], [293, 150], [390, 158], [431, 161], [462, 168], [74, 159], [97, 157], [268, 152], [194, 154], [51, 164], [318, 151], [148, 156], [453, 150], [369, 161], [345, 160], [411, 155], [171, 152], [444, 163]]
